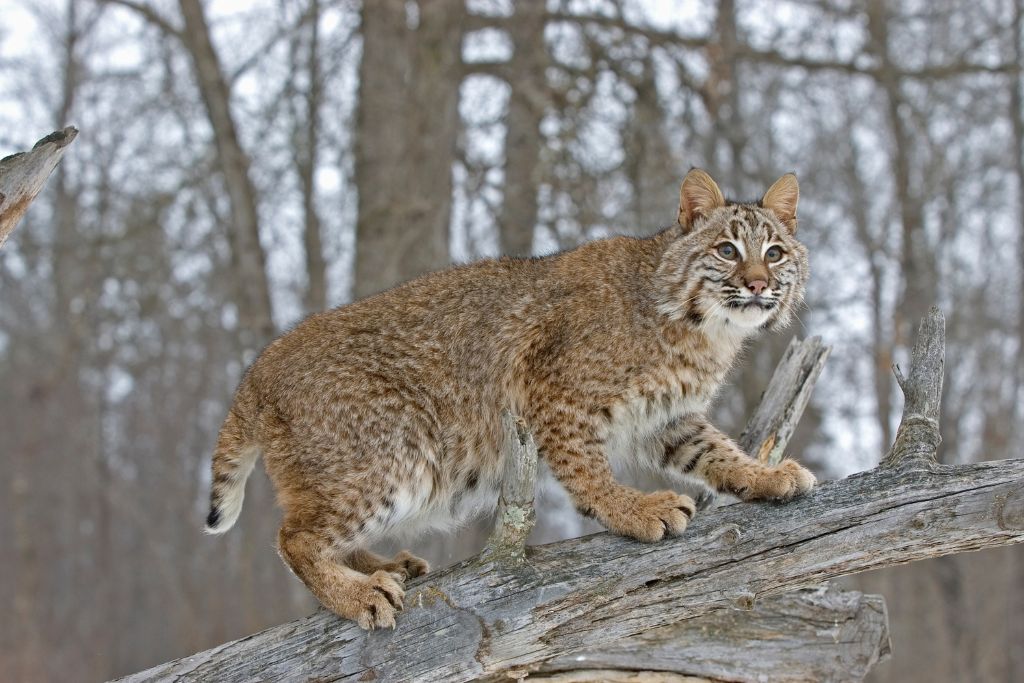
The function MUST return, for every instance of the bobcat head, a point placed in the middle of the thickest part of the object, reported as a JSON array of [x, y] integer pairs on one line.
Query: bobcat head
[[734, 263]]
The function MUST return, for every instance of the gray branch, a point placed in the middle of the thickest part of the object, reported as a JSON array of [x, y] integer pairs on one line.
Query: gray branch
[[771, 426], [918, 434], [516, 516], [822, 634], [481, 618], [23, 175]]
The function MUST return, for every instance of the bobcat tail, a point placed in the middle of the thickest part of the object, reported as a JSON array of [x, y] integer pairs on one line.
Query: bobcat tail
[[233, 461]]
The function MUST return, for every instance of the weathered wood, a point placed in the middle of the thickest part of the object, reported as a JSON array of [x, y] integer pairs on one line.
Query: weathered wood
[[475, 619], [823, 634], [515, 517], [612, 676], [23, 175], [918, 434], [775, 419]]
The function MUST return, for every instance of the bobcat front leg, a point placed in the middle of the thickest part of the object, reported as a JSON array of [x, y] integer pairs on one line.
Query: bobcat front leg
[[693, 447], [576, 458]]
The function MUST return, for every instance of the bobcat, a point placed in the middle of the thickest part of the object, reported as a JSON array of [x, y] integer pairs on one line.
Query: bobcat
[[385, 414]]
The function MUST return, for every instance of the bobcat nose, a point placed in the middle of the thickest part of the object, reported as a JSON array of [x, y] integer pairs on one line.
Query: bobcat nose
[[757, 286]]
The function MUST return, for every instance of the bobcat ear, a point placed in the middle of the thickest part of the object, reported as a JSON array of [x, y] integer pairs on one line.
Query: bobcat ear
[[782, 198], [698, 196]]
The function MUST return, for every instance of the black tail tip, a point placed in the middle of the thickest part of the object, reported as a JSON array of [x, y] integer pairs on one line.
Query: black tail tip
[[213, 518]]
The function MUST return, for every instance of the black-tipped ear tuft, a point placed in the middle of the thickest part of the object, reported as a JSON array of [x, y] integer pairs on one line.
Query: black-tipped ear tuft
[[213, 517]]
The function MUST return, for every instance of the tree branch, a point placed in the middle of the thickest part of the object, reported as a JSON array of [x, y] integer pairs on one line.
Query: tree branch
[[23, 175], [150, 15], [775, 419], [821, 634], [918, 434], [516, 516], [748, 53], [476, 619]]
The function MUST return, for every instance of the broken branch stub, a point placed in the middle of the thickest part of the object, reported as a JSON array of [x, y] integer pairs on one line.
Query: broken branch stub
[[918, 434], [782, 405], [23, 175], [516, 515]]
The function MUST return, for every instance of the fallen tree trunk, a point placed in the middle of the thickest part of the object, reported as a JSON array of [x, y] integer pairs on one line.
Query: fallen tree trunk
[[23, 175], [490, 618]]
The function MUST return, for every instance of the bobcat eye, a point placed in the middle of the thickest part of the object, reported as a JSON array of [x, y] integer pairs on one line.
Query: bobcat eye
[[727, 250], [773, 255]]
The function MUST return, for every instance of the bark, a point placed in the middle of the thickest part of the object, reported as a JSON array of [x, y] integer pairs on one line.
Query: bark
[[772, 425], [918, 433], [820, 634], [23, 175], [407, 122], [516, 515], [486, 618]]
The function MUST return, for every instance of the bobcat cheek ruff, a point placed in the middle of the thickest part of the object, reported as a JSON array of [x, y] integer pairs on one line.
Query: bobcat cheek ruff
[[383, 417]]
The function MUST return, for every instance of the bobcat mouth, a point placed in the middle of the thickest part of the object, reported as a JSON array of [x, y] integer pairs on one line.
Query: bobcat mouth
[[746, 303]]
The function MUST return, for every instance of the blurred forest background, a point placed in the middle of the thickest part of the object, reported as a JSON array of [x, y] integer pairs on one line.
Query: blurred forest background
[[241, 164]]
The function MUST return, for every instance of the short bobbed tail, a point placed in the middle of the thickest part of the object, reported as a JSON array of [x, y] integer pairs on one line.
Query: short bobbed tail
[[232, 464]]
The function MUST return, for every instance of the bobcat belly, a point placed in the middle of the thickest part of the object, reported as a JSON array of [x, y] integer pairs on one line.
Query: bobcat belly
[[634, 436], [419, 508]]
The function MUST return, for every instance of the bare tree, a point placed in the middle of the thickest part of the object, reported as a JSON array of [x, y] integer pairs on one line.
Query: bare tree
[[407, 123]]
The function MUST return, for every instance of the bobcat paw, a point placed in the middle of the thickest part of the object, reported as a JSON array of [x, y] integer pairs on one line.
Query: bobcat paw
[[784, 481], [653, 516], [408, 565], [374, 602]]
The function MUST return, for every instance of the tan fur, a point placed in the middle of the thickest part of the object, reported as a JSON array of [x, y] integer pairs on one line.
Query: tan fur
[[384, 416]]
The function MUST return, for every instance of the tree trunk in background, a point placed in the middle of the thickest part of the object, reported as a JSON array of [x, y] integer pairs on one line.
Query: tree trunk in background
[[649, 162], [917, 263], [1015, 630], [307, 140], [407, 122], [881, 342], [523, 142], [724, 88], [255, 319]]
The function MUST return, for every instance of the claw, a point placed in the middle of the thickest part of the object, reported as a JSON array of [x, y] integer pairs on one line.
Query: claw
[[705, 499]]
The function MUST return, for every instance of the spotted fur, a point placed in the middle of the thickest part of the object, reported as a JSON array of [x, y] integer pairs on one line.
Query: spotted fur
[[383, 417]]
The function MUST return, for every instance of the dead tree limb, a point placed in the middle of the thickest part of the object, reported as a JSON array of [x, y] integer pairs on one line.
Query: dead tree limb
[[822, 634], [489, 618], [775, 419], [23, 175]]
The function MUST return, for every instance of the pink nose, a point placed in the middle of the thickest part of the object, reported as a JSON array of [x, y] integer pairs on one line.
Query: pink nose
[[757, 286]]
